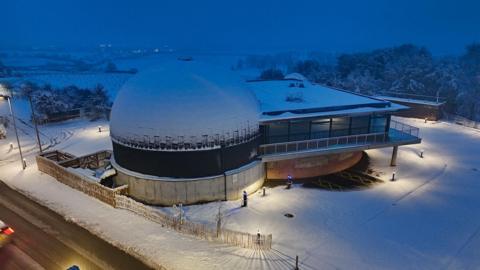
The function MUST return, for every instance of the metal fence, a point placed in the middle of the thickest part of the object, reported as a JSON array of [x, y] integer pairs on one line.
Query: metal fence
[[199, 230], [397, 129], [460, 120]]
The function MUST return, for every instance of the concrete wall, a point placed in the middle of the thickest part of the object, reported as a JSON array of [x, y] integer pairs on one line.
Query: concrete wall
[[249, 178], [168, 191], [311, 166]]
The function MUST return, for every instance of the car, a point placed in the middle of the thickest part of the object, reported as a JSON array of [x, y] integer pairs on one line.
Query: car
[[5, 233]]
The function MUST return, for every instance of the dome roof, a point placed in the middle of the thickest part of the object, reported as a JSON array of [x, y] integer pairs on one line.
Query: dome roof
[[183, 102], [295, 76]]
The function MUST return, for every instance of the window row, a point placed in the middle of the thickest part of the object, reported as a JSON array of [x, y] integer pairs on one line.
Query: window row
[[298, 130]]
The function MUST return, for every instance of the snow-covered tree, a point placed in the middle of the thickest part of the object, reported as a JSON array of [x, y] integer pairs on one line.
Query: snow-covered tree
[[47, 102], [469, 95], [98, 102]]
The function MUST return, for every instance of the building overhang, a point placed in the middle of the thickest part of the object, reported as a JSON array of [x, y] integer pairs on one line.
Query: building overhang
[[334, 150], [397, 135]]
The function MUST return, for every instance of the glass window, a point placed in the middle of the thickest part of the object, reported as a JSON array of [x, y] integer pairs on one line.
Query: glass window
[[320, 128], [277, 132], [360, 124], [299, 130], [340, 126], [378, 123]]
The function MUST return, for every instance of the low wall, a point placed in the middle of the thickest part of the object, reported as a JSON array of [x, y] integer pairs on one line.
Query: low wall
[[311, 166], [78, 181], [169, 191], [203, 231]]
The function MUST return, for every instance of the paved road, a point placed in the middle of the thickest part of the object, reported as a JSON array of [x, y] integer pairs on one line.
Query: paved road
[[44, 240]]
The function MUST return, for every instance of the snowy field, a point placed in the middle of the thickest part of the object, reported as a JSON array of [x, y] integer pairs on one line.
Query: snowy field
[[428, 219], [112, 82]]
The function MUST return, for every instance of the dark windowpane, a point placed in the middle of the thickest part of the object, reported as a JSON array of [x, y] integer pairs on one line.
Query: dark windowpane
[[360, 124], [340, 126], [277, 132], [320, 128], [299, 130], [378, 124]]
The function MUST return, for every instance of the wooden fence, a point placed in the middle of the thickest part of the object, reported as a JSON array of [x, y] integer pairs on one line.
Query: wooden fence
[[53, 163], [203, 231], [78, 181]]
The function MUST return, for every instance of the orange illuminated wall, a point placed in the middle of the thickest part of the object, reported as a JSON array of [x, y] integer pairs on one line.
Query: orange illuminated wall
[[311, 166]]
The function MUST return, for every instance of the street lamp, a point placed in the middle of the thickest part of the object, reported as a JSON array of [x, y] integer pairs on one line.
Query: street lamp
[[4, 94]]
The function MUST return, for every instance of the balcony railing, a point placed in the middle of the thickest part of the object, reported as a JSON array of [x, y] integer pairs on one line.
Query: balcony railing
[[436, 98], [398, 133]]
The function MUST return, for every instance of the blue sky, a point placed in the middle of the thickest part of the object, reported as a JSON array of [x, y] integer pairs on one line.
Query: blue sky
[[248, 26]]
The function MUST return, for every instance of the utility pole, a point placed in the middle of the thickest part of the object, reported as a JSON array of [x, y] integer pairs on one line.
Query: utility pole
[[34, 119], [16, 132]]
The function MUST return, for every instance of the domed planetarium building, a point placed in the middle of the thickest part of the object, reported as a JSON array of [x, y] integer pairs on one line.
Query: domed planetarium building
[[186, 133], [189, 133]]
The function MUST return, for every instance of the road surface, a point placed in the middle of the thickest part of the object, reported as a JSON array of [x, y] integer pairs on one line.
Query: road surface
[[44, 240]]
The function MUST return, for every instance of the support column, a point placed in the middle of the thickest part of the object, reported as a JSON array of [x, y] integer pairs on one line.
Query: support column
[[393, 162]]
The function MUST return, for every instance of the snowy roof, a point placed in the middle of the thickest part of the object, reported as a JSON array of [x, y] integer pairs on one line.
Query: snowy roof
[[336, 113], [295, 76], [282, 98], [183, 99]]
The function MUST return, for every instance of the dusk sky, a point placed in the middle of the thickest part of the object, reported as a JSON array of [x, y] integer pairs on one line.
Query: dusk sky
[[243, 26]]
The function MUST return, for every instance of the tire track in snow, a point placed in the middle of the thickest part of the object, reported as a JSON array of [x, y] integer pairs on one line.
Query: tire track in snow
[[464, 245], [394, 203]]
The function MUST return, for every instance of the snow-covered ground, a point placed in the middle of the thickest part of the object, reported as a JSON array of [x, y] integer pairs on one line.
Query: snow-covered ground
[[427, 219]]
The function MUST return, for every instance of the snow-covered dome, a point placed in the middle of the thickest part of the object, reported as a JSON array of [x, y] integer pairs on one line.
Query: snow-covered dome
[[295, 76], [184, 102]]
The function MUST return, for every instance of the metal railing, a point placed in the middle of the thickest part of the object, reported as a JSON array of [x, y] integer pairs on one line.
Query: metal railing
[[398, 132], [436, 98], [404, 128]]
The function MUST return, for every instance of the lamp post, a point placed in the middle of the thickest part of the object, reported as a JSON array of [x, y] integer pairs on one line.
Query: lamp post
[[393, 176], [8, 97]]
